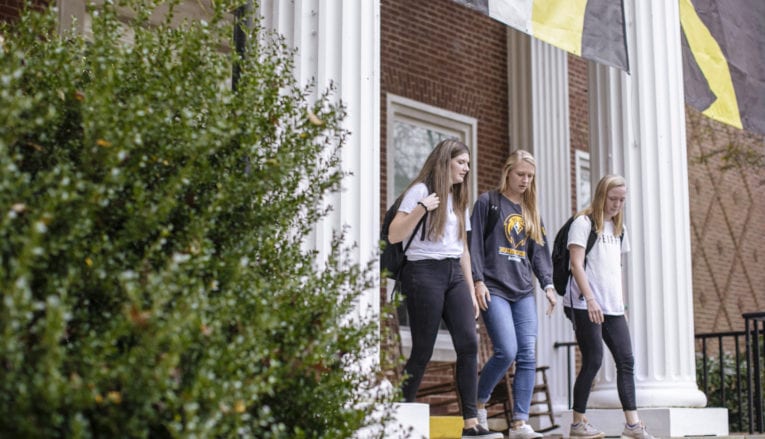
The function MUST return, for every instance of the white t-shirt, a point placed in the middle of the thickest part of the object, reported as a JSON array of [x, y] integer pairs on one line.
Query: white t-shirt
[[603, 267], [449, 246]]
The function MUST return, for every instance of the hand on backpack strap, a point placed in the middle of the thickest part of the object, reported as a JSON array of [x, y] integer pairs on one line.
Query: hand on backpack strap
[[430, 202]]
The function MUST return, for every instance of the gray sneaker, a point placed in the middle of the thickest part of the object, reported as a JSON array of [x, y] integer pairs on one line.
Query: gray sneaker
[[636, 432], [523, 432], [483, 418], [585, 430]]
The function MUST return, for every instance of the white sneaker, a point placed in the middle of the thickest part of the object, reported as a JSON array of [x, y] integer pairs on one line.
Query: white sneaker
[[585, 430], [483, 418], [636, 432], [523, 432]]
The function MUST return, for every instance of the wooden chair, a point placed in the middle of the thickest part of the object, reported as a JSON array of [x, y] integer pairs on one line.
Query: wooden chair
[[503, 396]]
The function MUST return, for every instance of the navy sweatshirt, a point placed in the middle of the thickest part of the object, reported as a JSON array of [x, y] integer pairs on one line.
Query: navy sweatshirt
[[506, 260]]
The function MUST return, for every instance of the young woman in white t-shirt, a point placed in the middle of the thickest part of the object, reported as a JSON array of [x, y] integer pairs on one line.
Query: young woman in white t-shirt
[[595, 305], [436, 281]]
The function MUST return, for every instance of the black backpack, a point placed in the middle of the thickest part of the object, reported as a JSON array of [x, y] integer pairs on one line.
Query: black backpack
[[493, 217], [561, 259], [393, 256]]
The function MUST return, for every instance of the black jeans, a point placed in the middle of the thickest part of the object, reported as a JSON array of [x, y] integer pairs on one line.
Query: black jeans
[[436, 289], [590, 337]]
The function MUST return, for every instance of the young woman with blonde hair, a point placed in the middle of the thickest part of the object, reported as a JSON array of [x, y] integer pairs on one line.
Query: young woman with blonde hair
[[506, 257], [594, 303]]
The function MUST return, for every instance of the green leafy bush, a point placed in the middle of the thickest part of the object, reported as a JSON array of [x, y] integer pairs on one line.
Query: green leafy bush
[[725, 391], [153, 271]]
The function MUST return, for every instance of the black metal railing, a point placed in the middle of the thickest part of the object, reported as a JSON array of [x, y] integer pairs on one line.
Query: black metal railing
[[718, 395], [721, 378], [570, 346], [755, 325]]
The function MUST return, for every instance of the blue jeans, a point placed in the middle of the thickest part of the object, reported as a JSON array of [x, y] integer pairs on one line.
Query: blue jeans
[[512, 327]]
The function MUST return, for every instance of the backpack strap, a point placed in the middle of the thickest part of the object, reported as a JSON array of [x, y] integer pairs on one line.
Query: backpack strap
[[416, 228], [494, 213], [591, 239], [421, 223]]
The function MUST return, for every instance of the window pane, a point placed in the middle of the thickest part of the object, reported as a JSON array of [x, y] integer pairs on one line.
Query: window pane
[[412, 145], [582, 179]]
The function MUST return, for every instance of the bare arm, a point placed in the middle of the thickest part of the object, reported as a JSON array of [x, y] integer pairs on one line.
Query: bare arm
[[404, 223], [577, 271], [466, 270]]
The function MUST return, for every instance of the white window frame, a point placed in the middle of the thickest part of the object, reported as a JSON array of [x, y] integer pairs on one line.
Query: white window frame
[[582, 167], [454, 124]]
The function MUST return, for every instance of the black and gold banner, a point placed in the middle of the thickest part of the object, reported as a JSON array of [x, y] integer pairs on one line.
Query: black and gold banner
[[724, 60], [592, 29], [723, 46]]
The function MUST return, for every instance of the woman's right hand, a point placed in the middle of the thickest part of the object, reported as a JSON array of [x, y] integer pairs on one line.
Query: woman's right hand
[[594, 311], [482, 295]]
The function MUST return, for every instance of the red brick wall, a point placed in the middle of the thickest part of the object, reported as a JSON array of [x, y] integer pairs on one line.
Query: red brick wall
[[727, 204], [579, 127], [10, 9], [431, 53]]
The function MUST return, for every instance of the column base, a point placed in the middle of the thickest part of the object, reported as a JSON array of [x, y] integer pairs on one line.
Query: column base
[[681, 395], [661, 422], [408, 420]]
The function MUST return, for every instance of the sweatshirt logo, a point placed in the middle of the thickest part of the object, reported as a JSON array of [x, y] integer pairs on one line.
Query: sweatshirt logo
[[514, 233]]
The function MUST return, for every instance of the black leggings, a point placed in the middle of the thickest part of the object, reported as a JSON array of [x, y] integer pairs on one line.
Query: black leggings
[[436, 289], [590, 337]]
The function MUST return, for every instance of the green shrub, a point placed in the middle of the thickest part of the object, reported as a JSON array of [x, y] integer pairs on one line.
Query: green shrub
[[153, 269], [738, 414]]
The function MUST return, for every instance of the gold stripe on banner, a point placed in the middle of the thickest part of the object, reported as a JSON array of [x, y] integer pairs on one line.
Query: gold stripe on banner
[[711, 60], [560, 23]]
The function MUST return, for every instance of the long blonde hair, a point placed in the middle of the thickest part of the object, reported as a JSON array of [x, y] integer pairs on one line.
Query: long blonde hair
[[529, 211], [436, 175], [598, 204]]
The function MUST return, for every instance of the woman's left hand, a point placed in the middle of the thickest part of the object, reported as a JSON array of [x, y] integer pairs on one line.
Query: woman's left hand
[[476, 309], [552, 300], [482, 295]]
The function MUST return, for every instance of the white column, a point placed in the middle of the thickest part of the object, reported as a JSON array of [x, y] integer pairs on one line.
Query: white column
[[539, 122], [338, 44], [638, 130]]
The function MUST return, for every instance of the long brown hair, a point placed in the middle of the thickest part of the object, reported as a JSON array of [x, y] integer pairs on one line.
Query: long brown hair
[[598, 204], [436, 174], [529, 211]]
